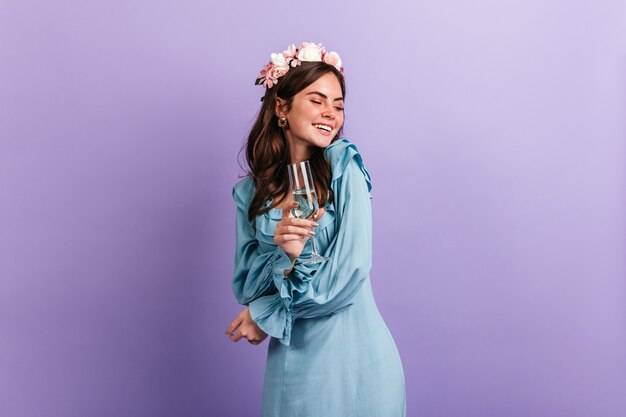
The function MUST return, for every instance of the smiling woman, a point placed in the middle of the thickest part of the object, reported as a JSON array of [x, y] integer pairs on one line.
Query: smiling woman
[[330, 352], [285, 128], [311, 114]]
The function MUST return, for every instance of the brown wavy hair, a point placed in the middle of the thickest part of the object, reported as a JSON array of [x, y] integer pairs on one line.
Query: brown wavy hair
[[267, 152]]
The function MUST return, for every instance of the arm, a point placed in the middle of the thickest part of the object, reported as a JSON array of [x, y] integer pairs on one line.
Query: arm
[[253, 267], [323, 289], [252, 276]]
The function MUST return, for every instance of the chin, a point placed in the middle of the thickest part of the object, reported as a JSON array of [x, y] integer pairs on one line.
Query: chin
[[319, 142], [324, 143]]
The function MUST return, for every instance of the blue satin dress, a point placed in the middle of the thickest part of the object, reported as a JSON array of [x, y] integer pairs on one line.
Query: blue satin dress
[[330, 353]]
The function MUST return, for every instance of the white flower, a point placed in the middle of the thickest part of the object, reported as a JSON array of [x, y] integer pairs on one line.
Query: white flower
[[279, 60], [310, 52]]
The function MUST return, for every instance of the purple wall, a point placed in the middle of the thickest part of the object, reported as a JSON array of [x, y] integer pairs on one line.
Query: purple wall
[[494, 133]]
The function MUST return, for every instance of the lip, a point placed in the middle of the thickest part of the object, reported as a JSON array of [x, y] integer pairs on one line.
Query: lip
[[323, 132], [323, 124]]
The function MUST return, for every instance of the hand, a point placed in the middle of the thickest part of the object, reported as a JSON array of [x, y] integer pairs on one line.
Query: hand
[[292, 233], [244, 326]]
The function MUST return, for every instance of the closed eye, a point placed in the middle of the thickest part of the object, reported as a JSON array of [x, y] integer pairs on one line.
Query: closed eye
[[319, 102]]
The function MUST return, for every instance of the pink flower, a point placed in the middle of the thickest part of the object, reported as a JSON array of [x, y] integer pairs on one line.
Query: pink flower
[[269, 81], [332, 58], [265, 69], [266, 76], [277, 72], [291, 54]]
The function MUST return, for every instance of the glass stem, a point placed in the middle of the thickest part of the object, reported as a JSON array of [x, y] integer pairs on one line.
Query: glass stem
[[315, 254]]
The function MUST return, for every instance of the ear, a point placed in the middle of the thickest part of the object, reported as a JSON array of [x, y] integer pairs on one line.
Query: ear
[[280, 106]]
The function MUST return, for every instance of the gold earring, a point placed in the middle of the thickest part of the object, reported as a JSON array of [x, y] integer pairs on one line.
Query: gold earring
[[282, 122]]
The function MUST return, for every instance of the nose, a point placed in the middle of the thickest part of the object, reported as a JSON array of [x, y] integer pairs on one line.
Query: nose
[[330, 113]]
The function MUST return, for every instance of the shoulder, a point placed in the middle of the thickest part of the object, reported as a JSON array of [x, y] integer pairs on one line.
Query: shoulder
[[345, 159], [243, 191]]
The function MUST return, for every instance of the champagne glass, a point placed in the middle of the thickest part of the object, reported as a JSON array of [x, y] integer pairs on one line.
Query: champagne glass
[[303, 192]]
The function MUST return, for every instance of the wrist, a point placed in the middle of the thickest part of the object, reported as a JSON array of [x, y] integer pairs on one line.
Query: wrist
[[288, 271]]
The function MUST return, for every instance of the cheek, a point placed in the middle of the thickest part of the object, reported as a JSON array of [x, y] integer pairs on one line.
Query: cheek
[[340, 118], [306, 113], [312, 112]]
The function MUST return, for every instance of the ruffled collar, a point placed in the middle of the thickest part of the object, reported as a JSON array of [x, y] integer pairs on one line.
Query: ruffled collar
[[338, 155]]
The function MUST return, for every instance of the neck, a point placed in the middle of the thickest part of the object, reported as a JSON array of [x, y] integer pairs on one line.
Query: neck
[[298, 150]]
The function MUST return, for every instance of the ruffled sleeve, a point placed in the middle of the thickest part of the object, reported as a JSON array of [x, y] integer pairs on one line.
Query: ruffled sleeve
[[253, 267], [309, 291]]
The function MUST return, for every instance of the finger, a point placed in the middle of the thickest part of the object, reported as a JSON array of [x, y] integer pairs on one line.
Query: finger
[[289, 238], [235, 337], [300, 222], [296, 230], [287, 210], [293, 230], [233, 325], [320, 213]]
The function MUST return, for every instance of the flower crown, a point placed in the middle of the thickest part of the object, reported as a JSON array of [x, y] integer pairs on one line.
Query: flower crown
[[281, 62]]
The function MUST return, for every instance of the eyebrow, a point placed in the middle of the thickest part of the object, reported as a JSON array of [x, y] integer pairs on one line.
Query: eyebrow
[[323, 95]]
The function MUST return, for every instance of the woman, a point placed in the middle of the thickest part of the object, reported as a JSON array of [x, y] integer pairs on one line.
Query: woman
[[330, 352]]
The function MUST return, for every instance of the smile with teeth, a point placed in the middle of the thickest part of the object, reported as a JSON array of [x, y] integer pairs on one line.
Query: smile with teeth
[[323, 127]]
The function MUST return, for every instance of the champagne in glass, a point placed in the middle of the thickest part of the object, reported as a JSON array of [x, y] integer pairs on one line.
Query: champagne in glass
[[307, 207], [303, 192]]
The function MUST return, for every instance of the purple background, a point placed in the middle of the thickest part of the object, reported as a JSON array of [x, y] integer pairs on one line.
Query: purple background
[[493, 131]]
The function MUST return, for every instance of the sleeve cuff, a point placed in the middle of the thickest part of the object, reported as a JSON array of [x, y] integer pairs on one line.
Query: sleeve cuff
[[283, 266], [273, 317], [274, 313]]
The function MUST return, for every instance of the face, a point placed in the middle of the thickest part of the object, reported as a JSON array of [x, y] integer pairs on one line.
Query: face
[[316, 114]]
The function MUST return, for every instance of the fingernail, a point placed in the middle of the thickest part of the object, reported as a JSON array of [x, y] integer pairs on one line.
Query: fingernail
[[311, 232], [315, 224]]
